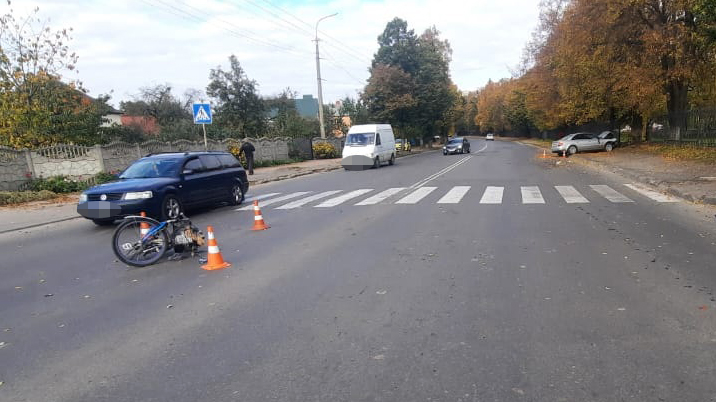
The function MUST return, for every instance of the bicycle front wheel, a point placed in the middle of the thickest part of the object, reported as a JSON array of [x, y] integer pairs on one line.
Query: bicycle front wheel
[[130, 247]]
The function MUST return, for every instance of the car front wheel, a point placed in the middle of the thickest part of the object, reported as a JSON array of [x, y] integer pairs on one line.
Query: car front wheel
[[572, 150], [237, 194], [609, 147], [171, 207]]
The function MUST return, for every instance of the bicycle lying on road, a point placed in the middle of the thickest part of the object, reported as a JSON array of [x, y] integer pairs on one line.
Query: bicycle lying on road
[[140, 241]]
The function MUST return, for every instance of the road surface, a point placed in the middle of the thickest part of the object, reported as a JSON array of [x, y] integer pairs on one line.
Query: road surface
[[490, 276]]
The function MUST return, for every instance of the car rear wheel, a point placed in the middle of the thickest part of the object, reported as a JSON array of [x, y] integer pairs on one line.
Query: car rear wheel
[[391, 162], [237, 194], [609, 147], [171, 207]]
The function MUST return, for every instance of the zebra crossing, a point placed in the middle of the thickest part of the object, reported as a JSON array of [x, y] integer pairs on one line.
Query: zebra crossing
[[490, 195]]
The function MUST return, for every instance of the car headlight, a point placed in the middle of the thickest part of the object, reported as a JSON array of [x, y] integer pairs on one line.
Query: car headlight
[[459, 146], [138, 196], [444, 147], [83, 197]]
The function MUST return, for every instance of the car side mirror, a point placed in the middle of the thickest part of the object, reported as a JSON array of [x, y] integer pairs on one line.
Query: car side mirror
[[187, 172]]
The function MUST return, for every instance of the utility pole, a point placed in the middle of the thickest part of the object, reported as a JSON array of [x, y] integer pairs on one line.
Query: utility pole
[[318, 75]]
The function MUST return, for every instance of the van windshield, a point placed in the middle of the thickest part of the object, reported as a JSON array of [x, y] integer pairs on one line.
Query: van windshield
[[360, 139]]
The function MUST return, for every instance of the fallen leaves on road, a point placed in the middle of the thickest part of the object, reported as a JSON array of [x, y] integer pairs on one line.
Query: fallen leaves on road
[[703, 307]]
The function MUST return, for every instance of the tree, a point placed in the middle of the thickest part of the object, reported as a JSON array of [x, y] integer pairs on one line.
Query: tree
[[410, 84], [36, 107], [238, 108], [172, 115], [355, 109]]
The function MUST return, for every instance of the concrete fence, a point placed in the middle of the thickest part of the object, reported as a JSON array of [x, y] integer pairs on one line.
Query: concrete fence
[[18, 167]]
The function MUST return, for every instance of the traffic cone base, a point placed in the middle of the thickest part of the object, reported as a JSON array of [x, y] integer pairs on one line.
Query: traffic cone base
[[214, 259], [259, 223]]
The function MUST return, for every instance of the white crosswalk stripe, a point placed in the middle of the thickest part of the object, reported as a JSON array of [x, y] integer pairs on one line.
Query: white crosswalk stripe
[[531, 195], [571, 195], [492, 195], [304, 201], [416, 196], [276, 200], [260, 197], [343, 198], [658, 197], [454, 195], [610, 194], [382, 196]]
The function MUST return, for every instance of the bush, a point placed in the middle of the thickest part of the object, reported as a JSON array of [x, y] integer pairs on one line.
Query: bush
[[17, 197], [324, 150], [103, 177], [58, 184]]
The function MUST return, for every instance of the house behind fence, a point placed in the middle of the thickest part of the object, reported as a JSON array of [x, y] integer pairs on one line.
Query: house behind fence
[[19, 167]]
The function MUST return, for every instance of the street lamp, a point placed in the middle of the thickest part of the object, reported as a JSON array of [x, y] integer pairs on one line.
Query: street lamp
[[318, 75]]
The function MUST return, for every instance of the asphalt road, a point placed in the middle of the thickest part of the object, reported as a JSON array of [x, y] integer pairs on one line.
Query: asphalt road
[[476, 292]]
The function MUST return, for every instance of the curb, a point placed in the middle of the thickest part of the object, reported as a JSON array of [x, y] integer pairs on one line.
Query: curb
[[40, 224]]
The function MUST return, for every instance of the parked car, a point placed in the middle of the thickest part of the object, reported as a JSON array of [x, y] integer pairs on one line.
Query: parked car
[[163, 185], [457, 145], [490, 137], [580, 142], [402, 145]]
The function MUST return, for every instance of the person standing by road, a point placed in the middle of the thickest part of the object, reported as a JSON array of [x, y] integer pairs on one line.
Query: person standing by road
[[248, 149]]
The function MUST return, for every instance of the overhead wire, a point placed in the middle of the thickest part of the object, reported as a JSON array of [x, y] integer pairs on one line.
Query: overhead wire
[[183, 13]]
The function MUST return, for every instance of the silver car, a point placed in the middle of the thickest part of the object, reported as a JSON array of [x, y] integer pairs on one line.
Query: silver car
[[580, 142]]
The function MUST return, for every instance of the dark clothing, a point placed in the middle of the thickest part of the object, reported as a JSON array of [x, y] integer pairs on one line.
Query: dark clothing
[[248, 149]]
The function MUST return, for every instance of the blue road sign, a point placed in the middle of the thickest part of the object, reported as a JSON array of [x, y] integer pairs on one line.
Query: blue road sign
[[202, 113]]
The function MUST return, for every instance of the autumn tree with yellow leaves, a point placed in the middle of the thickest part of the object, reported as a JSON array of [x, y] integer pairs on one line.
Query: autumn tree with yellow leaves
[[36, 107]]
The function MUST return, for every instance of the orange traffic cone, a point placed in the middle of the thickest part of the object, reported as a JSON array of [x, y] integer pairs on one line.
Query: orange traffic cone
[[214, 258], [143, 226], [259, 223]]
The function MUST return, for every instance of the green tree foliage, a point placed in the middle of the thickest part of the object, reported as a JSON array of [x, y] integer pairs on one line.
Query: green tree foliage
[[355, 109], [284, 120], [409, 86], [239, 111], [36, 107]]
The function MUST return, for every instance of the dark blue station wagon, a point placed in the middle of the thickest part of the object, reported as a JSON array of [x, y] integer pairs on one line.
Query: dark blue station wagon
[[164, 185]]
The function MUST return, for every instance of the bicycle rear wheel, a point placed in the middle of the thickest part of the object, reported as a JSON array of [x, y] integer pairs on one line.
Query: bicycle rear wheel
[[129, 247]]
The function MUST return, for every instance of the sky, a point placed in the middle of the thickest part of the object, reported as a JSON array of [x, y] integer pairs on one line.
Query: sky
[[129, 44]]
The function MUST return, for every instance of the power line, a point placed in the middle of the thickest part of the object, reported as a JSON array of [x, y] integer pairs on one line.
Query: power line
[[182, 13], [343, 48], [297, 28], [332, 60]]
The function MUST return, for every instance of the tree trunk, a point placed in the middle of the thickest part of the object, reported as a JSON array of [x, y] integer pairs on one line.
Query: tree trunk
[[677, 105]]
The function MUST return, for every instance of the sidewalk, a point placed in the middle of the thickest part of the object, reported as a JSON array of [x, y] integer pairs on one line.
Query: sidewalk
[[692, 181], [32, 214]]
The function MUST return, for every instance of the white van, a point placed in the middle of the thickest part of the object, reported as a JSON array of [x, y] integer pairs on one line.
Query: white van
[[368, 145]]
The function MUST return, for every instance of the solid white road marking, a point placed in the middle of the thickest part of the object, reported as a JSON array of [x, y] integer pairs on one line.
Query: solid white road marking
[[658, 197], [454, 195], [571, 195], [610, 194], [416, 195], [304, 201], [382, 196], [343, 198], [275, 200], [492, 195], [531, 195]]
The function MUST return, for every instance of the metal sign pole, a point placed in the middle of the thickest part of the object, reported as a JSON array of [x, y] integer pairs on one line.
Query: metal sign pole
[[206, 147]]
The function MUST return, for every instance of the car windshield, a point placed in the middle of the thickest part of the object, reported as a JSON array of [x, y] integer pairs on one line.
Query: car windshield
[[148, 168], [455, 141], [359, 139], [398, 141]]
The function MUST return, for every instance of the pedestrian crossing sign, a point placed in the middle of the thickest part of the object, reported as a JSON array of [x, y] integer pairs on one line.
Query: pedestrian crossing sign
[[202, 113]]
